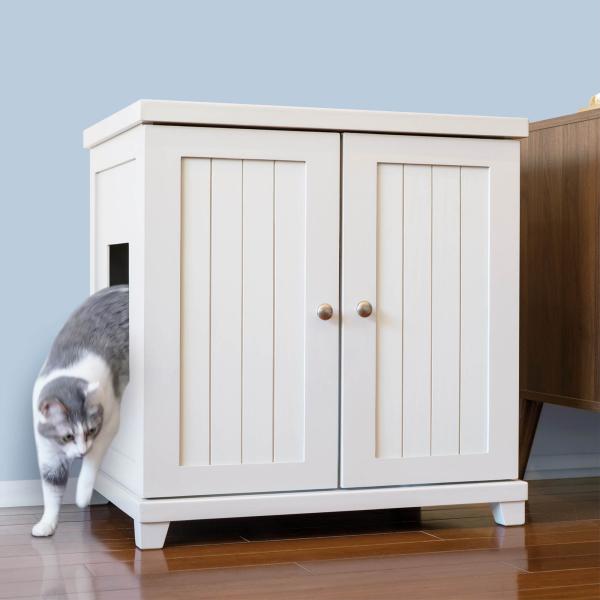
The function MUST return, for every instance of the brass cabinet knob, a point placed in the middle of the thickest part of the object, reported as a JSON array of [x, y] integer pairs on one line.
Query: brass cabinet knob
[[325, 312], [364, 308]]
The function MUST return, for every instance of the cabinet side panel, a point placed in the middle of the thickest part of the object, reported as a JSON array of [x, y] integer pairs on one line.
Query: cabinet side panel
[[116, 217], [114, 214], [582, 193], [114, 220], [417, 311], [445, 317], [474, 337], [195, 311], [560, 180], [226, 312]]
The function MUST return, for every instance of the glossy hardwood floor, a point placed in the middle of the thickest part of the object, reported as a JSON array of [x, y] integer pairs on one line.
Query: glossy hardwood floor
[[453, 553]]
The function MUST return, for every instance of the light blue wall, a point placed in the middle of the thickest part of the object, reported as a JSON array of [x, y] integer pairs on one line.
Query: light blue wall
[[64, 65]]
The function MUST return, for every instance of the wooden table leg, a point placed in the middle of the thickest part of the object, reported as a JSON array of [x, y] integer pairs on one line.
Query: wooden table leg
[[530, 412]]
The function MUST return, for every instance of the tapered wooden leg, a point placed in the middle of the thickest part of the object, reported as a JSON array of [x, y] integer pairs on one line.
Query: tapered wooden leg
[[529, 418], [150, 535], [509, 513]]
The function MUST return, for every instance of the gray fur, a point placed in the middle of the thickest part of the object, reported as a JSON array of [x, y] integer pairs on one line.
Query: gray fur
[[57, 473], [100, 325], [68, 394], [70, 391]]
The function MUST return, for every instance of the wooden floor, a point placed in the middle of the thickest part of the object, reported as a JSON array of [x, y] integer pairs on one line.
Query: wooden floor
[[443, 553]]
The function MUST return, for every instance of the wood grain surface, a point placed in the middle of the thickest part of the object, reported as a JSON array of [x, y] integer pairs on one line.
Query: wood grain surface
[[560, 212], [433, 553]]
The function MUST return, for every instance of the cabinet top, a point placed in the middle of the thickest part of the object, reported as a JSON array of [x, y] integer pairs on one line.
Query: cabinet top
[[578, 117], [291, 117]]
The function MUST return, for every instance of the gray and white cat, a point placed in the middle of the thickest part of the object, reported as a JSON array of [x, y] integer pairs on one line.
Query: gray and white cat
[[76, 398]]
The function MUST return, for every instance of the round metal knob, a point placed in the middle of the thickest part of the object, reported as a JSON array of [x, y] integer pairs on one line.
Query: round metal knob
[[325, 312], [364, 308]]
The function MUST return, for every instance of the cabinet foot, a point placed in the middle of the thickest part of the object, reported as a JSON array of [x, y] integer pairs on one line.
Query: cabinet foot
[[150, 535], [509, 513]]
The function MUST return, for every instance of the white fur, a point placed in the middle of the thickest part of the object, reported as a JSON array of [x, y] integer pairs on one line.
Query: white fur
[[95, 371]]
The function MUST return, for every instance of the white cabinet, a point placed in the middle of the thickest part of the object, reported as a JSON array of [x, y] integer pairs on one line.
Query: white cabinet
[[230, 225], [247, 226], [429, 379]]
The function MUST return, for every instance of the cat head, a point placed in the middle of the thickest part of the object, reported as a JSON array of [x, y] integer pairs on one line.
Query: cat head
[[70, 414]]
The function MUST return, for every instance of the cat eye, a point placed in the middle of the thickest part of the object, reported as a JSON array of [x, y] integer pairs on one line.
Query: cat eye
[[67, 438], [92, 431]]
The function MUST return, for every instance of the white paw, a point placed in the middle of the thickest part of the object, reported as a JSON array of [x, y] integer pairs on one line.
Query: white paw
[[43, 528], [83, 496]]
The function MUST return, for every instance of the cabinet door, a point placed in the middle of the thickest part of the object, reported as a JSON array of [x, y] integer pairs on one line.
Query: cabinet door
[[242, 246], [430, 378]]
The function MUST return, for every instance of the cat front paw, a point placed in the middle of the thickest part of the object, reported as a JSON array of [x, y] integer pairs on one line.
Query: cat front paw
[[43, 528]]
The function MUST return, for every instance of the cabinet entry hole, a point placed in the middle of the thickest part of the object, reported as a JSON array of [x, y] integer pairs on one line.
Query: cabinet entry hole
[[118, 264]]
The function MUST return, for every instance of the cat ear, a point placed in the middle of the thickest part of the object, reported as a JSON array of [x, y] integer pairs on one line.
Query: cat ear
[[51, 406], [92, 387]]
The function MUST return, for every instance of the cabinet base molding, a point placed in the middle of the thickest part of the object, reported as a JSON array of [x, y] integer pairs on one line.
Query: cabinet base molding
[[152, 516]]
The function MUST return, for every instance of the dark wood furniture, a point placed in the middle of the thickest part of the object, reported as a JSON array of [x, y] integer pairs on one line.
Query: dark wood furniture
[[560, 268]]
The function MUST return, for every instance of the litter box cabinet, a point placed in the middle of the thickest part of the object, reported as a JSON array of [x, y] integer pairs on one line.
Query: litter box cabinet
[[323, 309]]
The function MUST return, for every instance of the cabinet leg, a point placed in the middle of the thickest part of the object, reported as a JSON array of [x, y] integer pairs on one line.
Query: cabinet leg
[[150, 535], [529, 418], [509, 513]]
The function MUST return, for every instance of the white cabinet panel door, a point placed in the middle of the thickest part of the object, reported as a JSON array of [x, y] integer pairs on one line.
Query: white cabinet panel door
[[243, 245], [430, 379]]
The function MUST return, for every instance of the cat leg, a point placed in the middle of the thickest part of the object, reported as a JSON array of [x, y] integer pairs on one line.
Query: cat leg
[[93, 459], [55, 475]]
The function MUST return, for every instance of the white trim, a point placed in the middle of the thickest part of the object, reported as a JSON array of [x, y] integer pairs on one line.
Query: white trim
[[252, 505], [28, 492], [293, 117], [563, 466]]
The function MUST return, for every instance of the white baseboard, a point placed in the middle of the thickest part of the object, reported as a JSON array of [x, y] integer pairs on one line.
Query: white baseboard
[[563, 466], [28, 492]]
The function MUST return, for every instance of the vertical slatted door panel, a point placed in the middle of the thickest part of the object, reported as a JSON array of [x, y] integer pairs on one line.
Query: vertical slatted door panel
[[256, 244], [389, 350], [258, 317], [429, 391], [445, 312], [474, 353], [289, 313], [195, 337], [225, 313], [416, 316]]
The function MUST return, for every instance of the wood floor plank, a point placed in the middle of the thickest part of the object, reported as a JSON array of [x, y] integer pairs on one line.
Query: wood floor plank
[[353, 586], [507, 555], [436, 552], [193, 561], [562, 563], [251, 592], [586, 527], [92, 527]]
